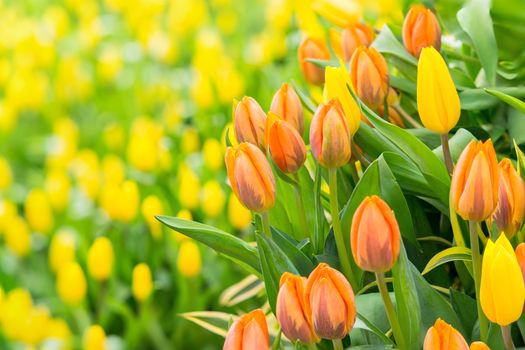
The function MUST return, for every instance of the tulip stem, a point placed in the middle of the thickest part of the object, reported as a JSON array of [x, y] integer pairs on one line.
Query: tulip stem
[[338, 344], [266, 224], [476, 266], [390, 310], [312, 346], [446, 153], [507, 338], [300, 208], [408, 117], [336, 224]]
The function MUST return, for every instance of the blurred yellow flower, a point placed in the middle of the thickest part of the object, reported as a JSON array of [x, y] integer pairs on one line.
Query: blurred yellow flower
[[113, 169], [100, 259], [8, 115], [213, 154], [189, 187], [190, 140], [59, 332], [7, 212], [85, 167], [38, 211], [16, 308], [57, 187], [114, 136], [238, 215], [71, 283], [61, 250], [121, 201], [27, 89], [37, 322], [17, 236], [57, 18], [212, 199], [152, 206], [94, 338], [342, 13], [202, 90], [189, 259], [142, 284], [6, 176], [182, 214], [144, 144], [109, 64]]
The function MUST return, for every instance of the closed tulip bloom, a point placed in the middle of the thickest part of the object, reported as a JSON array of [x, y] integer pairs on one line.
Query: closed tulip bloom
[[442, 336], [94, 338], [189, 259], [421, 29], [502, 291], [369, 75], [329, 298], [248, 332], [342, 13], [329, 135], [437, 98], [142, 283], [374, 235], [71, 283], [479, 345], [61, 250], [287, 105], [475, 181], [355, 35], [251, 177], [100, 259], [312, 48], [249, 121], [520, 255], [291, 313], [335, 87], [286, 146], [511, 205]]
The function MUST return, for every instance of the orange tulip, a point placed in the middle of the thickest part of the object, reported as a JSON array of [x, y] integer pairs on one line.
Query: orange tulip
[[354, 36], [286, 146], [479, 345], [475, 181], [313, 48], [287, 105], [329, 135], [249, 121], [421, 29], [520, 255], [369, 76], [374, 235], [329, 298], [295, 323], [511, 205], [248, 332], [443, 336], [251, 177]]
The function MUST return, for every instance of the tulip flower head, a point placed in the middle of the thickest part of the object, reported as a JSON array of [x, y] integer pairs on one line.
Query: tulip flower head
[[421, 29], [329, 136], [479, 345], [369, 76], [520, 255], [189, 259], [358, 34], [442, 336], [94, 338], [71, 283], [291, 313], [339, 12], [437, 98], [249, 332], [502, 291], [249, 121], [511, 205], [329, 298], [251, 177], [287, 106], [312, 48], [142, 283], [100, 259], [286, 146], [374, 235], [475, 181], [61, 250]]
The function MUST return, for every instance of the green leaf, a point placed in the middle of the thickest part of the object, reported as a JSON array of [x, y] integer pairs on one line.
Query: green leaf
[[322, 63], [448, 255], [476, 99], [508, 99], [290, 248], [474, 18], [407, 303], [387, 43], [222, 242], [308, 103], [363, 323], [467, 311], [516, 125], [521, 160]]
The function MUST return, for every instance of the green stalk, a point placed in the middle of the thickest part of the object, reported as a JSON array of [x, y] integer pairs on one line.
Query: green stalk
[[300, 209], [336, 223], [312, 346], [507, 338], [476, 266], [338, 344], [266, 224], [446, 153], [390, 311]]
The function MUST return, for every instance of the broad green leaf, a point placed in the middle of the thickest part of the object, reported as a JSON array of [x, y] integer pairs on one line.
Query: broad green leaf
[[479, 99], [521, 160], [474, 18], [289, 247], [320, 219], [322, 63], [387, 43], [308, 103], [222, 242], [508, 99], [448, 255], [363, 323], [516, 125], [466, 309], [371, 311]]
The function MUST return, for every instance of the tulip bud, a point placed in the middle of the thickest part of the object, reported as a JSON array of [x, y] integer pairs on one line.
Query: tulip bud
[[437, 98], [189, 259], [57, 187], [17, 236], [249, 121], [71, 283], [374, 235], [295, 323], [287, 105], [442, 336], [94, 338], [421, 29], [248, 332], [212, 154], [286, 146], [479, 345], [475, 181], [142, 284], [511, 205], [100, 259], [212, 199], [312, 48], [329, 135], [39, 213], [342, 13], [502, 290], [238, 215], [369, 75], [189, 187], [151, 206], [61, 250], [251, 177], [354, 36], [329, 298]]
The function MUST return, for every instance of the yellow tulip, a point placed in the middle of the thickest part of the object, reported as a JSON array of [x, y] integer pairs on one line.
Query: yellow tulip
[[212, 154], [437, 98], [502, 292], [61, 250], [94, 338], [142, 284], [182, 214], [100, 259], [57, 187], [113, 169], [238, 215], [189, 259], [212, 199], [152, 206], [190, 140], [38, 211], [59, 331], [17, 236], [335, 87], [6, 176], [71, 283], [7, 212], [342, 13], [16, 308], [189, 187]]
